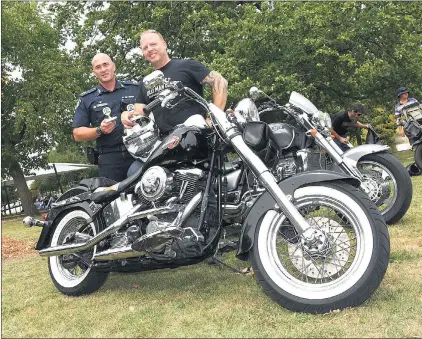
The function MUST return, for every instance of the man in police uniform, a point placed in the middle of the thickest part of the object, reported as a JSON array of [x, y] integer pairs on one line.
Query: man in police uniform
[[97, 116]]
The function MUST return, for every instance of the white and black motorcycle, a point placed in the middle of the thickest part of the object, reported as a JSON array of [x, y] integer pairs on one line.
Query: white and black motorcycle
[[383, 177], [316, 242]]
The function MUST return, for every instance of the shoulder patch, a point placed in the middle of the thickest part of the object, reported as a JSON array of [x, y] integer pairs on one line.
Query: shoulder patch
[[130, 82], [93, 89]]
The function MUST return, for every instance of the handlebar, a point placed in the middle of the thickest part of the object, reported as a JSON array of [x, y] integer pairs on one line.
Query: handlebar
[[152, 105]]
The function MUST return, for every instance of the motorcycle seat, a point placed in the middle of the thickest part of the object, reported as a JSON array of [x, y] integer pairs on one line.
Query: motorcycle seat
[[111, 191], [93, 183]]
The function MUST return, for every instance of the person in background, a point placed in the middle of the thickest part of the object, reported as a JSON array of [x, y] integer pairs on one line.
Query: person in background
[[342, 120], [92, 118], [403, 99]]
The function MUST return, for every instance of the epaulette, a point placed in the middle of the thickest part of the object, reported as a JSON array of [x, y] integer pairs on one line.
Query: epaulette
[[130, 82], [93, 89]]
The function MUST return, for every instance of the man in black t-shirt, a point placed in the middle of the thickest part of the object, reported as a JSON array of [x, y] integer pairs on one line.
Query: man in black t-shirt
[[190, 72], [342, 120]]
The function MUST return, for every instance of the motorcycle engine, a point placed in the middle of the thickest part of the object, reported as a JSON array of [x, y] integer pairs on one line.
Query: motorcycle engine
[[287, 167], [158, 184]]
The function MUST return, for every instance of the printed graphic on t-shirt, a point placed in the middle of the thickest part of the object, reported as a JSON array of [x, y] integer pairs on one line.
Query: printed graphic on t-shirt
[[152, 93]]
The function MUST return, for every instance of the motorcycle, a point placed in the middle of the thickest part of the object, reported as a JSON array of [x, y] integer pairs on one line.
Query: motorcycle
[[411, 120], [383, 177], [315, 241]]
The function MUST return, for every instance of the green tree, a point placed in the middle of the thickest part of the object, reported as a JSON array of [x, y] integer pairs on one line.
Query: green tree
[[36, 106]]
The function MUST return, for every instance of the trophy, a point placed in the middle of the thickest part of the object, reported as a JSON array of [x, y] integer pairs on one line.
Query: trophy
[[107, 112], [131, 108]]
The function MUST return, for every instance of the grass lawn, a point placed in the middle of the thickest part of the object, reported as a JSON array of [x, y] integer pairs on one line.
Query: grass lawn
[[205, 301]]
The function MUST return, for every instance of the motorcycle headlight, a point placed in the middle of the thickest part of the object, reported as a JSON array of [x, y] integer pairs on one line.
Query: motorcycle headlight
[[246, 111], [328, 120], [324, 119]]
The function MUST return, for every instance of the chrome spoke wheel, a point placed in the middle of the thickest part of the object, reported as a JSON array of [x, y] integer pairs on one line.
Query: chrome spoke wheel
[[70, 270], [330, 257], [381, 183]]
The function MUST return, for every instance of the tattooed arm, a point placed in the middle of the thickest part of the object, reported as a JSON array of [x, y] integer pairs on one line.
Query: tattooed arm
[[219, 88]]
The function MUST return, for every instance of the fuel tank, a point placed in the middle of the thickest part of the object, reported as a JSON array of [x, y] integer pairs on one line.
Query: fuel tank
[[284, 134], [184, 144], [288, 136]]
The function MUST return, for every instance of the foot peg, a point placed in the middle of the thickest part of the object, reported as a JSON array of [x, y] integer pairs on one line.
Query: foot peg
[[30, 221]]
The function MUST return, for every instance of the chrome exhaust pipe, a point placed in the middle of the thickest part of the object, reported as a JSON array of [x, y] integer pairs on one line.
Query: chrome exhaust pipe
[[190, 207], [128, 252], [128, 217], [73, 248], [117, 253]]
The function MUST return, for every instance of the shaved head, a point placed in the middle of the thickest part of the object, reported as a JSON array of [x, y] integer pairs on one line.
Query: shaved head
[[100, 57], [104, 69]]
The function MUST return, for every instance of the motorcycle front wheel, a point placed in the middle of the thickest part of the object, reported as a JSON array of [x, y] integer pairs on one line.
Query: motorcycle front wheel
[[389, 183], [72, 275], [340, 265]]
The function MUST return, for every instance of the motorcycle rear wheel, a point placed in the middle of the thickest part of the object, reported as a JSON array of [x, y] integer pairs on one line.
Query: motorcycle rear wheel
[[342, 273], [74, 278]]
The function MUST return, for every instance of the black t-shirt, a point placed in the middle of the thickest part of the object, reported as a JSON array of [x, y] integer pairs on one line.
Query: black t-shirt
[[190, 73], [337, 122]]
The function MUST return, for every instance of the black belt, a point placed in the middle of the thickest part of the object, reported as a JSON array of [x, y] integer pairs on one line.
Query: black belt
[[117, 148]]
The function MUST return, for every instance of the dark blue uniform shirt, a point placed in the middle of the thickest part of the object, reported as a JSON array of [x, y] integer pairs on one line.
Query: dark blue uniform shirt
[[94, 102]]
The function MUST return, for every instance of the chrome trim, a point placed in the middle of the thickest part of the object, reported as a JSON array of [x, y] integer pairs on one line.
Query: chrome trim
[[225, 125], [355, 153], [154, 211], [269, 182], [194, 171], [190, 207], [130, 216], [304, 154], [334, 146], [156, 183], [323, 143], [299, 222], [117, 253], [30, 221], [73, 248]]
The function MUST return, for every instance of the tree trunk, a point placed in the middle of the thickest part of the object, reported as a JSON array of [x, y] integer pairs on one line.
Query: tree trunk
[[23, 191]]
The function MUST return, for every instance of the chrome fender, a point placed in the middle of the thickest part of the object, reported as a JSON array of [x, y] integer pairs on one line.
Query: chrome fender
[[352, 156]]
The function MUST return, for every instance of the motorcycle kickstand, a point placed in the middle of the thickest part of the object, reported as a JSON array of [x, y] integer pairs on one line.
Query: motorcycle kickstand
[[246, 271]]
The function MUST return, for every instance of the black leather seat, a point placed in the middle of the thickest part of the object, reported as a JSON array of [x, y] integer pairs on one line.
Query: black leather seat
[[121, 186], [93, 183]]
